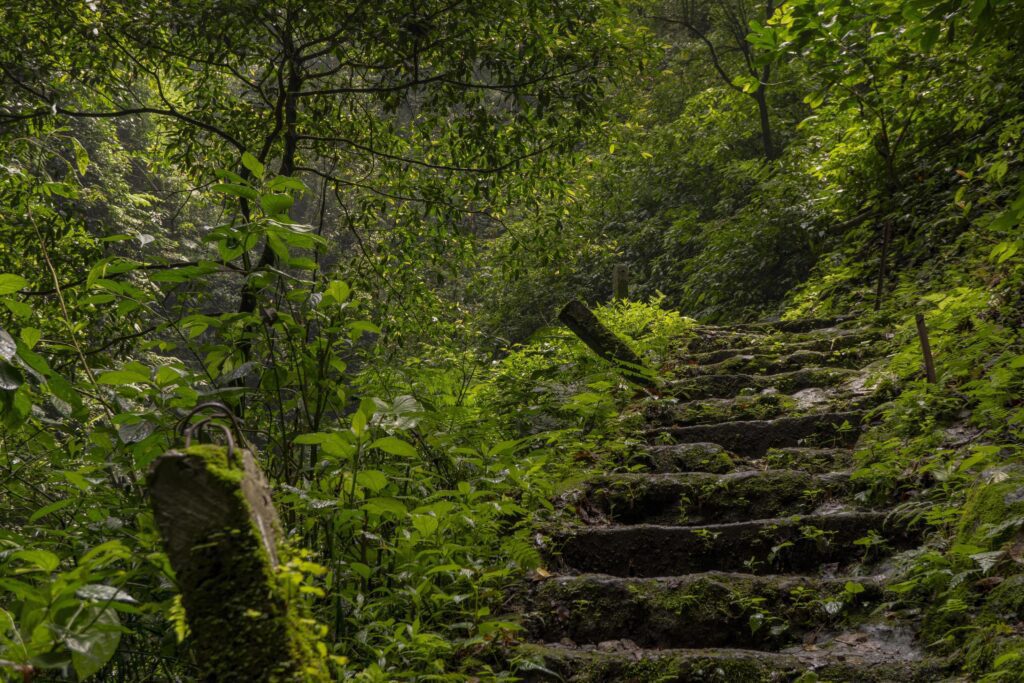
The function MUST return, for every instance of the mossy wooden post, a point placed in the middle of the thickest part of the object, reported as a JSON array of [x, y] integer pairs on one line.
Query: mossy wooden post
[[220, 530], [604, 343], [620, 281]]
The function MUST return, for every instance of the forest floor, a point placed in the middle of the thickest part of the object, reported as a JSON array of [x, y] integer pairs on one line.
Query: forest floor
[[740, 549]]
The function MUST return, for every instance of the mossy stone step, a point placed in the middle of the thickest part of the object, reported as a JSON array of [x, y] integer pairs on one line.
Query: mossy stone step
[[753, 438], [798, 325], [699, 497], [800, 543], [711, 609], [688, 457], [710, 457], [732, 384], [774, 363], [814, 460], [548, 663], [762, 406], [745, 346]]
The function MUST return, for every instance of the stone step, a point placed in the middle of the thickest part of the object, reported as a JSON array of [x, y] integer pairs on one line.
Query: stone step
[[710, 609], [623, 663], [710, 457], [700, 497], [708, 338], [753, 438], [688, 457], [730, 385], [744, 345], [800, 325], [772, 363], [761, 406], [814, 460], [800, 543]]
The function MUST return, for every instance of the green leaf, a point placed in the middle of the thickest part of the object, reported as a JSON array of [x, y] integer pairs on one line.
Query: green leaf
[[283, 183], [359, 422], [34, 361], [236, 190], [337, 290], [121, 377], [425, 524], [93, 647], [275, 204], [19, 309], [52, 507], [372, 480], [395, 446], [9, 284], [81, 156], [253, 164], [30, 336], [363, 326], [60, 189], [385, 506], [43, 560], [1006, 658], [747, 84]]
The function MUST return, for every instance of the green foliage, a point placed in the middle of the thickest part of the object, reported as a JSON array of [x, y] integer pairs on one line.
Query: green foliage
[[354, 222]]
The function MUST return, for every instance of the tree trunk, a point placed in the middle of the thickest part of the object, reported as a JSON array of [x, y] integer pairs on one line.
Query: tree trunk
[[767, 142], [604, 343], [222, 534]]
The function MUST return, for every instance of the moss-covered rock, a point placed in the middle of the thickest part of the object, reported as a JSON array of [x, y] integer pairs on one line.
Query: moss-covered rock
[[689, 457], [987, 517]]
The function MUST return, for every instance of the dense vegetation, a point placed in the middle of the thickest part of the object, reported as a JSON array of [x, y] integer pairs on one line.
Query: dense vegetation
[[354, 223]]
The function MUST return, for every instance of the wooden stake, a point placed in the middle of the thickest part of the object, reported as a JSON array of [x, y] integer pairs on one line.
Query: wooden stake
[[604, 342], [882, 266], [620, 281], [926, 349]]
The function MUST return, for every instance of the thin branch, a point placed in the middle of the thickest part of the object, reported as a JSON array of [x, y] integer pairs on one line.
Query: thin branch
[[485, 170]]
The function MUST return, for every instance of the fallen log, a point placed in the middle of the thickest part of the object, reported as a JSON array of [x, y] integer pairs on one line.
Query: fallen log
[[602, 341]]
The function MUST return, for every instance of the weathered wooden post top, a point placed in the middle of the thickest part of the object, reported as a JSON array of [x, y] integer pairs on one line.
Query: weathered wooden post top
[[213, 509], [620, 281]]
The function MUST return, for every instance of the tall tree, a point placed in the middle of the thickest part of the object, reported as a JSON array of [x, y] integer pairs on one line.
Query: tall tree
[[722, 26]]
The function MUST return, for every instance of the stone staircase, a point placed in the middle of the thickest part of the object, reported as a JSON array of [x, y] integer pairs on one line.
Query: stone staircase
[[742, 551]]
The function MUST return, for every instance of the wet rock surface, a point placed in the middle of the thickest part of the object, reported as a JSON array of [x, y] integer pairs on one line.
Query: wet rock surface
[[743, 552]]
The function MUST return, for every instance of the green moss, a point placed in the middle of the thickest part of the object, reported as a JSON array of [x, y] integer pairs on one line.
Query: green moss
[[217, 462], [989, 507]]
